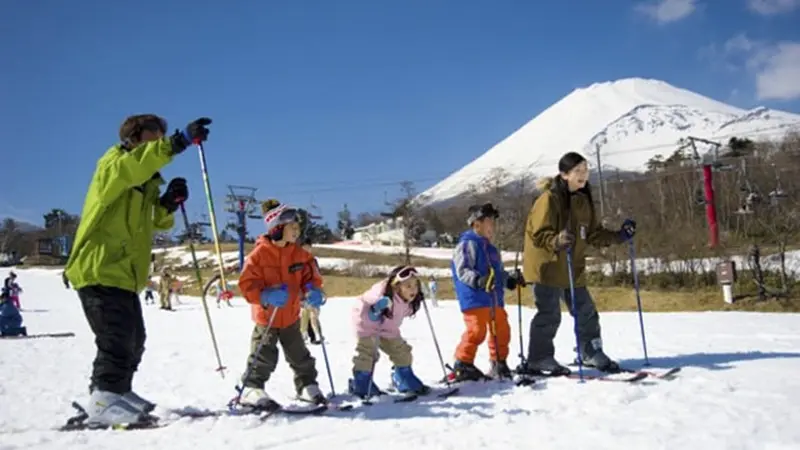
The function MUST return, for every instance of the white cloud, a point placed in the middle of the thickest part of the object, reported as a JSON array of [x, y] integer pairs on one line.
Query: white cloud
[[772, 7], [667, 11], [775, 66], [778, 77]]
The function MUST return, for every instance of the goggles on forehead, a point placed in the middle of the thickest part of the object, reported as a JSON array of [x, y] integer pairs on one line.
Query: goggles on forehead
[[281, 215], [480, 212], [404, 274]]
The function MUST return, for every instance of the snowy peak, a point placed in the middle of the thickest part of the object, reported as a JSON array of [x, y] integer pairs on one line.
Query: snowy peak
[[656, 119], [629, 121]]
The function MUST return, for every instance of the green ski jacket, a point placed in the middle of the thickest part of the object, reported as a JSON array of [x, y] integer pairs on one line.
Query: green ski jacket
[[120, 215]]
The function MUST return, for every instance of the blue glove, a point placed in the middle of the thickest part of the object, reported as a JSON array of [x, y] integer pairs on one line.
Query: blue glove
[[275, 297], [377, 310], [314, 296], [627, 230]]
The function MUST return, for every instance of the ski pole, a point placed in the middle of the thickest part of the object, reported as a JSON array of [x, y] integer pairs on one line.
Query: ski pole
[[261, 342], [492, 314], [435, 341], [325, 356], [375, 356], [212, 215], [522, 360], [220, 367], [638, 300], [574, 313]]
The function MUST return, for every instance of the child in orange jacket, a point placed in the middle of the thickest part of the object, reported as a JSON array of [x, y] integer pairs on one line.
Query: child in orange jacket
[[277, 277]]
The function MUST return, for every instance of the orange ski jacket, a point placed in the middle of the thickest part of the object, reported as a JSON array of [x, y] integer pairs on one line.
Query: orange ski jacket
[[270, 266]]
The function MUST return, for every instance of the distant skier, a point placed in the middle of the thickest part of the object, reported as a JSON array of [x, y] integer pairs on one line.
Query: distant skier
[[479, 279], [309, 315], [377, 317], [223, 293], [11, 290], [10, 320], [563, 219], [149, 298], [110, 260], [433, 288], [165, 286], [277, 276]]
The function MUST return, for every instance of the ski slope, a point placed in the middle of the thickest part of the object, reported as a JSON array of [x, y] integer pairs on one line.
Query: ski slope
[[739, 388]]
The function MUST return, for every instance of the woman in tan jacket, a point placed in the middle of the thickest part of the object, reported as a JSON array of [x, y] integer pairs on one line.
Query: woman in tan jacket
[[563, 219]]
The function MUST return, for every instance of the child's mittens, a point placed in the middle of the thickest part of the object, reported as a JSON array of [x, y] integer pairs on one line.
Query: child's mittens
[[276, 297], [314, 296], [378, 310]]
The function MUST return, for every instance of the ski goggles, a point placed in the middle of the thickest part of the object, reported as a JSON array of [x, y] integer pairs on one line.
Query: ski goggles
[[404, 274], [281, 215], [487, 210]]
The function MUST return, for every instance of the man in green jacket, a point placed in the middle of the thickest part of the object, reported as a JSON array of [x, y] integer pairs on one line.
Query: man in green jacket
[[110, 260]]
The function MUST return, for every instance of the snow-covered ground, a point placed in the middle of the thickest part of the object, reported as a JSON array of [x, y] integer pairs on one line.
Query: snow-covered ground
[[424, 252], [643, 265], [739, 388]]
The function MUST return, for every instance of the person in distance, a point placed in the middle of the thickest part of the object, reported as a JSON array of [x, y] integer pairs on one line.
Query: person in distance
[[110, 259], [563, 219]]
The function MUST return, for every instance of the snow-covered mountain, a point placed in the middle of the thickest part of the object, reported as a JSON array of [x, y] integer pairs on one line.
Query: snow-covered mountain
[[629, 120]]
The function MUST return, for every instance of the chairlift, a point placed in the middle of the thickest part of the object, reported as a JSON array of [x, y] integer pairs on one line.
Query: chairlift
[[719, 166], [778, 193]]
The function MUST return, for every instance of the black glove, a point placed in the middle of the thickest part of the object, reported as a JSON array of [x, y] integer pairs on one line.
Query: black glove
[[194, 132], [480, 283], [564, 239], [515, 279], [627, 230], [177, 192]]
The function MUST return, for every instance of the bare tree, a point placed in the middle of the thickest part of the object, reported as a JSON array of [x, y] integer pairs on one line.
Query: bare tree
[[407, 210], [8, 234]]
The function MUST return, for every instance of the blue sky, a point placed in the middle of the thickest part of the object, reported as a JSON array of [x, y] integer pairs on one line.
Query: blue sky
[[338, 101]]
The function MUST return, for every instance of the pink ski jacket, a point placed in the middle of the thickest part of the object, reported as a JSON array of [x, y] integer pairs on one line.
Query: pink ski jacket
[[389, 328]]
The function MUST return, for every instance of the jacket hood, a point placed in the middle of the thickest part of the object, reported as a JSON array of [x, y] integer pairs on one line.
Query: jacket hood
[[263, 240], [377, 289], [545, 183]]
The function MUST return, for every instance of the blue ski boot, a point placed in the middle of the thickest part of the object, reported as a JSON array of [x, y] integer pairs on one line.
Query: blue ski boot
[[361, 385], [406, 382]]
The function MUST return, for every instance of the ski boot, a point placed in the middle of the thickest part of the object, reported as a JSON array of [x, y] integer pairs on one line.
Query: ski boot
[[406, 382], [362, 385], [462, 371], [312, 394], [547, 366], [594, 357], [500, 371], [138, 402], [257, 400], [108, 409]]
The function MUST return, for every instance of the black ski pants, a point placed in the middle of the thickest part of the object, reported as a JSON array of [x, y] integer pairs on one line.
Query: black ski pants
[[115, 317], [545, 323]]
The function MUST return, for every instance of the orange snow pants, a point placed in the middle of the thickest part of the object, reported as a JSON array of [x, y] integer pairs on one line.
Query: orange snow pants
[[478, 322]]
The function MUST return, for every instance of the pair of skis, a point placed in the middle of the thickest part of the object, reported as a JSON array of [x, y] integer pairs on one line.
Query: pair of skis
[[626, 375], [39, 336], [78, 422], [394, 397]]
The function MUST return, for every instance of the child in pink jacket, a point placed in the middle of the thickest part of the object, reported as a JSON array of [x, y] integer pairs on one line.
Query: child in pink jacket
[[377, 317]]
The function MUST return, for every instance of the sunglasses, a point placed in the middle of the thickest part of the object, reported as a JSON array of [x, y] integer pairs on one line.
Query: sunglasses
[[404, 274]]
